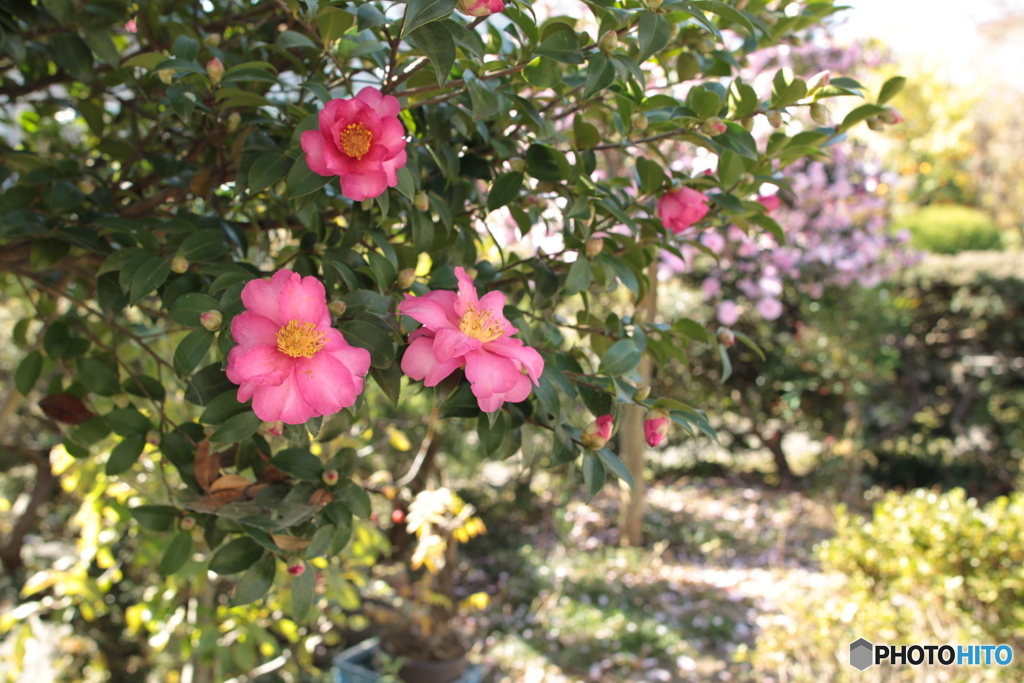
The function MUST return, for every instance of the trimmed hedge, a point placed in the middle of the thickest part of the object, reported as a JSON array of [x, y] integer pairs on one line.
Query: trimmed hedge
[[950, 229]]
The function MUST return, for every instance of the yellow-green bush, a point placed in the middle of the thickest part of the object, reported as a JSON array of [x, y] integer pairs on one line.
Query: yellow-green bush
[[950, 229]]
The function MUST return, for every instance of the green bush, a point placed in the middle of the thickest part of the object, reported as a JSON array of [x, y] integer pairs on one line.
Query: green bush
[[928, 568], [950, 229]]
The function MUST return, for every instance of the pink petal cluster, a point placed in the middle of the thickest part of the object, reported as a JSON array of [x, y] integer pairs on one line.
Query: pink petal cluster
[[680, 209], [770, 202], [597, 433], [481, 8], [360, 140], [656, 427], [461, 330], [289, 360]]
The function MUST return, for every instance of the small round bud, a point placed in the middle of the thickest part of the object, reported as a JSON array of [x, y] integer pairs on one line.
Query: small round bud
[[319, 248], [212, 39], [746, 178], [337, 308], [330, 477], [296, 568], [596, 434], [211, 320], [595, 245], [234, 119], [406, 277], [153, 437], [818, 80], [726, 336], [642, 393], [179, 264], [774, 118], [86, 186], [609, 41], [166, 75], [421, 201], [713, 126], [215, 71], [397, 516], [891, 116], [875, 123], [187, 523], [639, 121], [656, 426], [518, 164], [819, 114], [389, 492]]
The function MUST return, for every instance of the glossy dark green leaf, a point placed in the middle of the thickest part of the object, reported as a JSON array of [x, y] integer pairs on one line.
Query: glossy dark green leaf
[[654, 33], [144, 386], [593, 474], [437, 43], [579, 278], [299, 463], [236, 556], [355, 499], [256, 581], [27, 374], [303, 593], [191, 351], [150, 275], [620, 358], [563, 46], [236, 428], [600, 74], [421, 12], [616, 466], [203, 245], [98, 377], [652, 176], [155, 517], [302, 180], [504, 190], [891, 88], [125, 454], [128, 421], [187, 308], [267, 170], [177, 553], [367, 336], [861, 113]]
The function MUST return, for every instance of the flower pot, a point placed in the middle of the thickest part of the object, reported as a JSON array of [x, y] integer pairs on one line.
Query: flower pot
[[355, 665]]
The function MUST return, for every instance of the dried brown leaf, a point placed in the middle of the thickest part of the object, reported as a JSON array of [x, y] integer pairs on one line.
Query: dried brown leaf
[[215, 501], [206, 465], [271, 475], [290, 543], [231, 482], [320, 498]]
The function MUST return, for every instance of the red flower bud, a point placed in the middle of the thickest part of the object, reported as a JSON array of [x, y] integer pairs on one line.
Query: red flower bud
[[296, 568], [597, 433], [656, 427]]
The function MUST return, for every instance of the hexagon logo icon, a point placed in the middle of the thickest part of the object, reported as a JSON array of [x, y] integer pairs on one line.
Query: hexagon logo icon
[[862, 654]]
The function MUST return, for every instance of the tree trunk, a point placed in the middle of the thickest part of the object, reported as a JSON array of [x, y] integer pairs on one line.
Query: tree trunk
[[631, 436]]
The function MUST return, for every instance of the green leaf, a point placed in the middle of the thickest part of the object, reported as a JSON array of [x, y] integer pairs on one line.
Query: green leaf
[[654, 33], [236, 556], [303, 593], [27, 374], [492, 436], [299, 463], [155, 517], [144, 386], [751, 344], [617, 467], [128, 422], [185, 48], [293, 39], [546, 163], [586, 134], [302, 180], [191, 351], [98, 377], [90, 431], [727, 12], [368, 16], [236, 428], [369, 337], [482, 98], [203, 245], [256, 581], [177, 553], [579, 278], [437, 43], [891, 88], [861, 113], [187, 308], [651, 174], [332, 24], [125, 454], [267, 170], [389, 379], [421, 12], [593, 474], [150, 275], [600, 74], [504, 190], [723, 352], [692, 329], [620, 358], [787, 89], [221, 408], [102, 46], [356, 500], [563, 46]]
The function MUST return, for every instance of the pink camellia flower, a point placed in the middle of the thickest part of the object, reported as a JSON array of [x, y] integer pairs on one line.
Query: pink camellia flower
[[728, 312], [770, 202], [656, 427], [596, 434], [289, 360], [131, 26], [360, 140], [480, 8], [682, 208], [461, 330], [768, 308]]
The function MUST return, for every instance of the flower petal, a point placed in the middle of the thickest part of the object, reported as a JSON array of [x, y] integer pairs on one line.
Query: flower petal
[[264, 365], [515, 349], [260, 296], [490, 373], [419, 362], [325, 383], [360, 187], [429, 311], [494, 304], [283, 402], [451, 343], [313, 145], [357, 360], [467, 292], [252, 329], [304, 299]]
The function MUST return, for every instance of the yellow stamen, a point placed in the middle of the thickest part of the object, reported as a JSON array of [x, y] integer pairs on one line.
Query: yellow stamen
[[300, 340], [480, 325], [355, 140]]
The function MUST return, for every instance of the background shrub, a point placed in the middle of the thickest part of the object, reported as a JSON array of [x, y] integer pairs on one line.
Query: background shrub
[[950, 229]]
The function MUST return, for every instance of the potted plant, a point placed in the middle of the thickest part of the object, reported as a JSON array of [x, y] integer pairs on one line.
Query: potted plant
[[420, 642]]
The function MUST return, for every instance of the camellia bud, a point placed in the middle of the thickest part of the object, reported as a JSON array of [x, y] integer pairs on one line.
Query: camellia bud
[[818, 80], [406, 277], [153, 437], [518, 164], [656, 427], [774, 118], [330, 477], [642, 393], [639, 121], [179, 264], [421, 201], [296, 568], [609, 41], [875, 123], [212, 39], [747, 123], [713, 126], [397, 516], [726, 336], [211, 320], [187, 523], [234, 119], [597, 433], [337, 308], [891, 116], [746, 178], [166, 75], [595, 245], [215, 70], [86, 186], [819, 114]]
